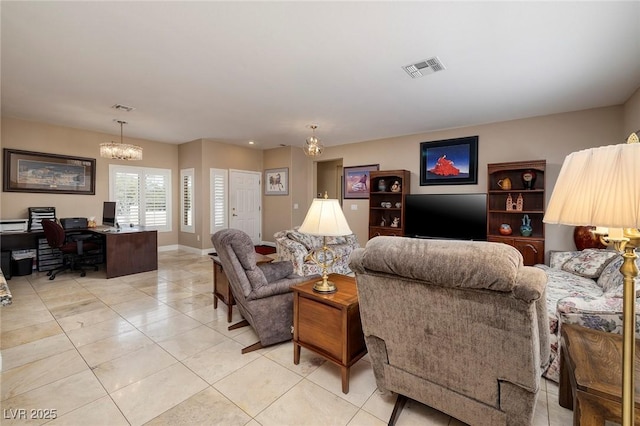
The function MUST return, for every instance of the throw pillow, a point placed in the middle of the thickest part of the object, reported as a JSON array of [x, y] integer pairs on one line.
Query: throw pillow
[[309, 241], [336, 240], [611, 279], [589, 263]]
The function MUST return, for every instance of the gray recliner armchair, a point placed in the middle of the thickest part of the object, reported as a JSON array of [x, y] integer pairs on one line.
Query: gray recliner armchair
[[459, 326], [262, 292]]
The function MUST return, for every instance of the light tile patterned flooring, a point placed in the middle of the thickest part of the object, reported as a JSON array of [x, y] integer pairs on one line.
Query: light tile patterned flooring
[[150, 349]]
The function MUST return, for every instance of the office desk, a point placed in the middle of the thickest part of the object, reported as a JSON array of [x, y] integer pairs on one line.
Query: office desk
[[127, 251]]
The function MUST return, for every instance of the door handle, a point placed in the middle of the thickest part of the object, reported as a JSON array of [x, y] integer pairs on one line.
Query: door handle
[[234, 214]]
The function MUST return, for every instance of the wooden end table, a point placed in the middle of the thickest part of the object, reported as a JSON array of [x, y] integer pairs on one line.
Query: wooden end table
[[221, 288], [329, 324], [591, 376]]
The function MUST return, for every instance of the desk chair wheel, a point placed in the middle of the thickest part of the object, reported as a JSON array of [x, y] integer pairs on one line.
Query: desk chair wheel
[[52, 277], [49, 274], [83, 274]]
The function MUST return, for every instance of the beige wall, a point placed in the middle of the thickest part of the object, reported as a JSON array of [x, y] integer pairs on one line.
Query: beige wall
[[632, 114], [550, 138], [278, 209], [42, 137], [221, 156]]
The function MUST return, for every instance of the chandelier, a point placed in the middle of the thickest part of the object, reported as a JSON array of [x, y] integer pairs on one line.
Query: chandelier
[[120, 151], [313, 147]]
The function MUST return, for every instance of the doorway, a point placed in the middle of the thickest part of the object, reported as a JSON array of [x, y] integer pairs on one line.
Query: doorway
[[329, 179], [244, 203]]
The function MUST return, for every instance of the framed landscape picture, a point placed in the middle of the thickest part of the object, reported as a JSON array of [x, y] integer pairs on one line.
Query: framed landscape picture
[[276, 181], [449, 162], [26, 171], [356, 181]]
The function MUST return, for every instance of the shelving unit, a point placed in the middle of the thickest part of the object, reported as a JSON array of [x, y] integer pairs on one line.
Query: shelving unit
[[532, 246], [377, 212]]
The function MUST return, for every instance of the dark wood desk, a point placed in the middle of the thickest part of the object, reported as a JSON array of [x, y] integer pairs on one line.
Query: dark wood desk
[[127, 251]]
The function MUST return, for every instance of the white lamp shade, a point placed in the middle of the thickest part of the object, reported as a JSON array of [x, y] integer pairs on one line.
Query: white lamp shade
[[325, 218], [598, 186]]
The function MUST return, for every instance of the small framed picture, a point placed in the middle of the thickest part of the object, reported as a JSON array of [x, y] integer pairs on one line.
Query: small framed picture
[[276, 181], [356, 181]]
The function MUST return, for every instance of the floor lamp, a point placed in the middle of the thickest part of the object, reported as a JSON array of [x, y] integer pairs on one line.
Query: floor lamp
[[601, 187]]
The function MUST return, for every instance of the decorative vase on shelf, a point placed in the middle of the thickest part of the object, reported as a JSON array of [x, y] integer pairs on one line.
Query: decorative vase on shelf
[[528, 179], [382, 185], [505, 229], [526, 229], [509, 203]]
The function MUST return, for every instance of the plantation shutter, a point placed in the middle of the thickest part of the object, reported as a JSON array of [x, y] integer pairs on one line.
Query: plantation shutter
[[142, 196], [127, 197], [219, 197], [186, 199]]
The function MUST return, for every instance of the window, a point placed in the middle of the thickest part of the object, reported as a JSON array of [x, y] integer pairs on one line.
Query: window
[[186, 200], [142, 196], [219, 203]]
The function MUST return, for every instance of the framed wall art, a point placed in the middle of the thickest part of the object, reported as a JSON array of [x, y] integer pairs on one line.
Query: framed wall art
[[276, 181], [26, 171], [356, 181], [449, 162]]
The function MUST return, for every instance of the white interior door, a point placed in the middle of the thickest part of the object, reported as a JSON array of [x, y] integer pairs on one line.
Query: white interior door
[[244, 203]]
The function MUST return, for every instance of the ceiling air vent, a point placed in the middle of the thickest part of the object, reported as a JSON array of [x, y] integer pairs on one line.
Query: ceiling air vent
[[121, 107], [422, 68]]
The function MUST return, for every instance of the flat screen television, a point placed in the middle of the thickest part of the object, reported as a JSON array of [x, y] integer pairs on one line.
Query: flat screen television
[[447, 216], [109, 213]]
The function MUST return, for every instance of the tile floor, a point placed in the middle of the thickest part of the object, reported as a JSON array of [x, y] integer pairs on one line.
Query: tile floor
[[150, 349]]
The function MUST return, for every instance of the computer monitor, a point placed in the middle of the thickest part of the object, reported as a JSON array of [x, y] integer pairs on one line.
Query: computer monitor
[[109, 213]]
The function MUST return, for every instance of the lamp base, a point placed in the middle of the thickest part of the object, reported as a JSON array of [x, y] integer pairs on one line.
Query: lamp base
[[325, 286]]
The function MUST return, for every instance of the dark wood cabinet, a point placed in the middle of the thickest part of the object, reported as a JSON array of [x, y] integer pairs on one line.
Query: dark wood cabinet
[[387, 202], [514, 190]]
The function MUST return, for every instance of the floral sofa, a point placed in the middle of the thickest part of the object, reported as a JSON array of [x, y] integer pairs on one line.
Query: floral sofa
[[585, 288], [296, 247]]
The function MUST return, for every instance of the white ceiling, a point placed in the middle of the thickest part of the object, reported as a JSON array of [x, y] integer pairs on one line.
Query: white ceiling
[[265, 71]]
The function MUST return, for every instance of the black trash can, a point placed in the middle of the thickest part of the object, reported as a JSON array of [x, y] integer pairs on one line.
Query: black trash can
[[6, 264], [21, 264]]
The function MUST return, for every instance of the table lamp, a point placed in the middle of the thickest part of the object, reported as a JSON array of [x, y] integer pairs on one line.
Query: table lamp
[[601, 187], [325, 219]]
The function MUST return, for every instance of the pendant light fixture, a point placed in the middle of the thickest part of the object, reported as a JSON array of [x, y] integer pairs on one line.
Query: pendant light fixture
[[120, 151], [313, 147]]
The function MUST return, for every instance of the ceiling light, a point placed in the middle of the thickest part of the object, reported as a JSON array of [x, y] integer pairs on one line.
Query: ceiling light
[[251, 142], [313, 147], [120, 151]]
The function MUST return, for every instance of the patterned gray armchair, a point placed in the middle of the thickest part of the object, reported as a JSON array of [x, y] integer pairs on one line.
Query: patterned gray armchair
[[296, 247], [459, 326], [262, 292]]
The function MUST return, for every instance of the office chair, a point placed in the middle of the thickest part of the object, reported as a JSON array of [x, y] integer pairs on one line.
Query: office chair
[[77, 250]]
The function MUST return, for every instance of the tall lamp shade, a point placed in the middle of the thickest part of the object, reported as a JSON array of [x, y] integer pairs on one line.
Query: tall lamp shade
[[325, 219], [601, 187]]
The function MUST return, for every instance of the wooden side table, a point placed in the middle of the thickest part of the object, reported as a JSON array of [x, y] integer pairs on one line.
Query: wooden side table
[[329, 324], [591, 376], [221, 288]]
